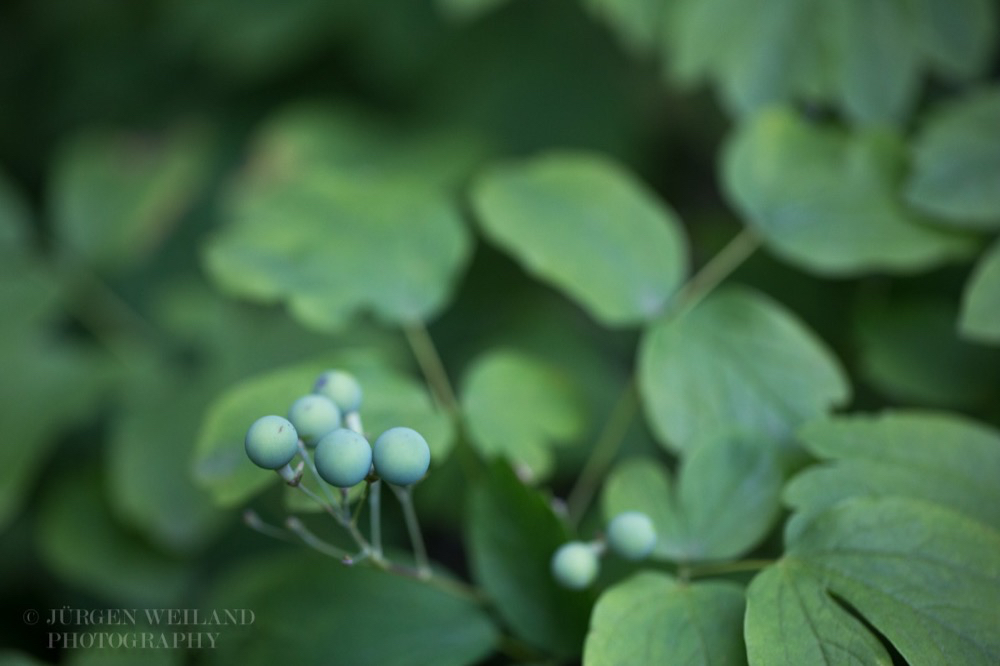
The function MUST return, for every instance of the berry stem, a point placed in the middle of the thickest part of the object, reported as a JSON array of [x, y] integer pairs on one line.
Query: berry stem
[[296, 527], [375, 515], [253, 520], [405, 496], [739, 248], [431, 365], [304, 452]]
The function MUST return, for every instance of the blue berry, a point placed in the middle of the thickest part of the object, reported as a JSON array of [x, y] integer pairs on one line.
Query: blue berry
[[574, 565], [401, 456], [341, 387], [632, 535], [271, 442], [314, 416], [343, 458]]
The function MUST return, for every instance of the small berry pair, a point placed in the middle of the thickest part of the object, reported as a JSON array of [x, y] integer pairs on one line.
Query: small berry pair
[[630, 534], [344, 458]]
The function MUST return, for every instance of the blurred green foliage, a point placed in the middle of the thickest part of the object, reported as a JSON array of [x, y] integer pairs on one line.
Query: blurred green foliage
[[204, 204]]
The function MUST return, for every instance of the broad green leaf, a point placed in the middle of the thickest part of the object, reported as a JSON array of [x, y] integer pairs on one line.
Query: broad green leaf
[[653, 619], [587, 226], [936, 457], [980, 319], [956, 169], [639, 23], [512, 535], [518, 407], [827, 201], [957, 36], [726, 499], [874, 56], [391, 399], [311, 610], [926, 578], [791, 620], [115, 195], [893, 336], [737, 362], [331, 244], [79, 541]]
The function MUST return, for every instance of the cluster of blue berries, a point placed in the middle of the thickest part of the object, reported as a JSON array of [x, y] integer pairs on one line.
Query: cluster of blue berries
[[630, 535], [327, 421]]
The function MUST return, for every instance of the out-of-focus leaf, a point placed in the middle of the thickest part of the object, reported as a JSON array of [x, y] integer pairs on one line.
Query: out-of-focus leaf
[[116, 195], [518, 407], [311, 610], [980, 318], [653, 619], [80, 541], [956, 170], [930, 456], [586, 225], [467, 10], [512, 535], [727, 498], [827, 200], [639, 23], [12, 658], [957, 36], [737, 362], [391, 400]]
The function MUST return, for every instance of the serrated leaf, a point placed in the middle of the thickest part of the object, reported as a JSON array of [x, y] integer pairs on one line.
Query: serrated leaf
[[736, 362], [652, 619], [956, 170], [980, 317], [312, 610], [391, 399], [726, 499], [116, 195], [519, 407], [926, 578], [512, 535], [584, 224], [957, 36], [826, 200], [932, 456], [790, 619], [345, 244], [79, 540]]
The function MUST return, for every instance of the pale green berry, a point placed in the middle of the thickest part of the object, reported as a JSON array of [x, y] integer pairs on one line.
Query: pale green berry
[[402, 456], [341, 387], [632, 535], [574, 565], [314, 416], [343, 458], [271, 442]]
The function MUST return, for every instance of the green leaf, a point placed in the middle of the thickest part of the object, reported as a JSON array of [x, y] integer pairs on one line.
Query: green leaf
[[931, 456], [587, 226], [957, 36], [737, 362], [512, 535], [727, 499], [790, 619], [467, 10], [79, 540], [116, 196], [826, 200], [653, 619], [12, 658], [980, 319], [639, 23], [893, 336], [391, 399], [312, 610], [926, 578], [956, 167], [345, 244], [14, 217], [519, 407]]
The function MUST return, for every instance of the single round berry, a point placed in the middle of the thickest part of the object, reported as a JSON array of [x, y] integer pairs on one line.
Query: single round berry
[[575, 565], [632, 535], [401, 456], [343, 458], [271, 442], [314, 416], [341, 387]]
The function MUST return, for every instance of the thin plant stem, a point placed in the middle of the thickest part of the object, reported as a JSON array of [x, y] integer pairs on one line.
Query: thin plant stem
[[253, 520], [717, 269], [405, 497], [603, 453], [304, 452], [431, 365], [719, 568], [375, 515], [296, 527]]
